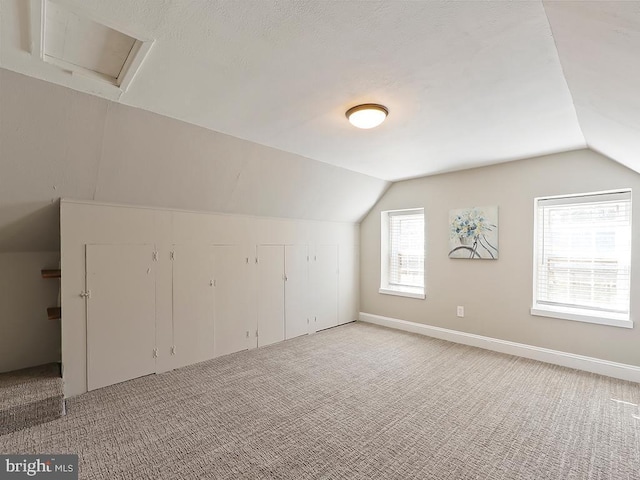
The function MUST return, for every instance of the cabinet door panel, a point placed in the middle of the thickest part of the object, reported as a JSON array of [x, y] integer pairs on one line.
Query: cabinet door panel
[[270, 294], [296, 293], [193, 308], [231, 299], [120, 313], [325, 285], [349, 281]]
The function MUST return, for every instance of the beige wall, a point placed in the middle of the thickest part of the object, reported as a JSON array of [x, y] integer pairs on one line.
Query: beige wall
[[27, 337], [497, 295]]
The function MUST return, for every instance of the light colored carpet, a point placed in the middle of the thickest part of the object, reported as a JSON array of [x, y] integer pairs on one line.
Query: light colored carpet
[[29, 397], [354, 402]]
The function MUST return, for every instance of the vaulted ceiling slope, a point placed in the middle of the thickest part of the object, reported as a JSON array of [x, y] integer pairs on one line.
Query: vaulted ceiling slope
[[599, 48], [466, 83], [56, 142]]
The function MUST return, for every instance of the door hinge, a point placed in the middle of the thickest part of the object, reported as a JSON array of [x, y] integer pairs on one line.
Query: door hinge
[[256, 333], [172, 255], [173, 350], [247, 260], [86, 294], [155, 256], [285, 278], [212, 283], [155, 353], [256, 259]]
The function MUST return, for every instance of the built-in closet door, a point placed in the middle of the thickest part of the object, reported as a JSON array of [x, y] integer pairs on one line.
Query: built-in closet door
[[325, 286], [296, 294], [120, 295], [193, 304], [348, 284], [270, 294], [232, 324]]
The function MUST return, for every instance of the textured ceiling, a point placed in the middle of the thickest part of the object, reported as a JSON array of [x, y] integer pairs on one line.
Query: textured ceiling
[[599, 48], [466, 83]]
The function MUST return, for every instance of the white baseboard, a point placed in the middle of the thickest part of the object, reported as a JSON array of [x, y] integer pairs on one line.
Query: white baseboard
[[579, 362]]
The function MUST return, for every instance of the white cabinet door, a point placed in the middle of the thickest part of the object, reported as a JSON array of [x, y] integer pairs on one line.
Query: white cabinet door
[[270, 294], [120, 313], [349, 285], [193, 308], [325, 286], [296, 293], [232, 299]]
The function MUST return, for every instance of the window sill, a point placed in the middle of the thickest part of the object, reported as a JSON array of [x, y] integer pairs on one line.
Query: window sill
[[410, 293], [576, 315]]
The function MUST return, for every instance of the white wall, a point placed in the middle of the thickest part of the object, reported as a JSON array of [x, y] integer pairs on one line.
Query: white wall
[[497, 294], [56, 142], [27, 337], [92, 223]]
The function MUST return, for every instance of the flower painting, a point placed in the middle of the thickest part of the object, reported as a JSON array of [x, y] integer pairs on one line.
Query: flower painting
[[474, 233]]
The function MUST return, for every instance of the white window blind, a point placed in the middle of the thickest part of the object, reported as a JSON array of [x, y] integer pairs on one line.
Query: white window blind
[[583, 254], [406, 248]]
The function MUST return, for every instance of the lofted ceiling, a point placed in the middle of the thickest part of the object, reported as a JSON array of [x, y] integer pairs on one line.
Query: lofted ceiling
[[466, 83]]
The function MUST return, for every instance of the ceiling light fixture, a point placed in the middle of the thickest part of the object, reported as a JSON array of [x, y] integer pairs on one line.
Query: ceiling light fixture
[[367, 115]]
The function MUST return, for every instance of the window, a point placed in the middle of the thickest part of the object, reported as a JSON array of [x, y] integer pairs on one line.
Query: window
[[402, 253], [582, 258]]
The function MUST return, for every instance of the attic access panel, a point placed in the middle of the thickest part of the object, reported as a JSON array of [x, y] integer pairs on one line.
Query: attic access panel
[[79, 44]]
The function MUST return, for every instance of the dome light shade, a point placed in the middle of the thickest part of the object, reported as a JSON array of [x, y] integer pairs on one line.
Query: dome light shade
[[368, 115]]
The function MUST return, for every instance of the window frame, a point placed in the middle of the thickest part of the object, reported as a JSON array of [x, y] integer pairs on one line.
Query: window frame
[[574, 313], [386, 287]]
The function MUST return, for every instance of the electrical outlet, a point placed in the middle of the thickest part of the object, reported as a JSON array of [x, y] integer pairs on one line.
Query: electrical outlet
[[460, 311]]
